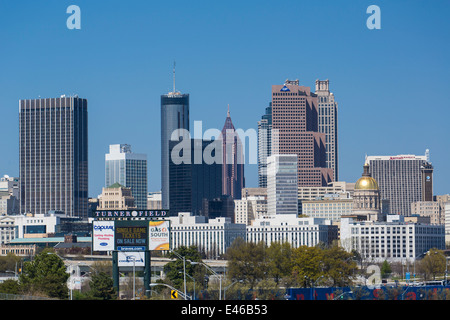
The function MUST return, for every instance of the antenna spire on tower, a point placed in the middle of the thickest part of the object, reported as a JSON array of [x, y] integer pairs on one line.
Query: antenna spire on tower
[[174, 76]]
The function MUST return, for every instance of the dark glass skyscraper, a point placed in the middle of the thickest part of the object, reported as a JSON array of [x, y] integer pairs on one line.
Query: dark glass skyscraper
[[264, 145], [174, 115], [193, 182], [53, 143]]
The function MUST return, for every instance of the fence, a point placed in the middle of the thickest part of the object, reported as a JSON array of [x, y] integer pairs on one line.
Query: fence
[[371, 293], [7, 296]]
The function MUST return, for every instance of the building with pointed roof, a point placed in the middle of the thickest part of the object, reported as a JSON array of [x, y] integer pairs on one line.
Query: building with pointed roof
[[233, 179]]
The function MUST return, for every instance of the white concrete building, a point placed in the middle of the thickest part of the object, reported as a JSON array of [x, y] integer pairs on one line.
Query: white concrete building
[[38, 225], [7, 229], [288, 228], [9, 196], [393, 240], [214, 236], [250, 208], [154, 201], [330, 207], [447, 221]]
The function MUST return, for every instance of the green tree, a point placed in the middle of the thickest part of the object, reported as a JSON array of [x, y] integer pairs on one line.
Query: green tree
[[9, 262], [10, 286], [308, 265], [338, 266], [386, 269], [433, 263], [279, 263], [247, 261], [174, 270], [45, 274], [102, 287]]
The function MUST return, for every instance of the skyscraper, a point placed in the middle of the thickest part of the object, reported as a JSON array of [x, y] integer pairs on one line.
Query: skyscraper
[[233, 160], [282, 186], [402, 179], [174, 115], [264, 145], [54, 155], [328, 121], [295, 131], [128, 169], [192, 182]]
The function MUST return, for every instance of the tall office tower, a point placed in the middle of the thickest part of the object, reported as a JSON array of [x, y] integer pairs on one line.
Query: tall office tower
[[402, 179], [174, 115], [129, 170], [328, 121], [264, 145], [295, 131], [54, 155], [192, 181], [232, 160], [282, 185]]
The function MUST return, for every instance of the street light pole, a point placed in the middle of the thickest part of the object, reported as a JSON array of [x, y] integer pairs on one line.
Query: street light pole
[[184, 270], [168, 286], [220, 276]]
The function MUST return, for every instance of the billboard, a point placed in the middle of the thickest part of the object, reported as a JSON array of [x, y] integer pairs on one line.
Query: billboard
[[103, 236], [131, 259], [159, 235], [131, 235], [130, 214]]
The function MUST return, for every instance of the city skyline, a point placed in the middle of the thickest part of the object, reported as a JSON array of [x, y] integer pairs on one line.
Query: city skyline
[[383, 76]]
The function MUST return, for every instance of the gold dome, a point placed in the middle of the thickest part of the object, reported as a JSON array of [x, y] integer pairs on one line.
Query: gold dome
[[366, 183]]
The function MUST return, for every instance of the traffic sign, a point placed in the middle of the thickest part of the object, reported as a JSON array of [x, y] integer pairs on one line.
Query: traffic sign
[[174, 294]]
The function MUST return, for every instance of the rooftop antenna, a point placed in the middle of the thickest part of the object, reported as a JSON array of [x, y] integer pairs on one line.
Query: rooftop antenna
[[174, 76], [228, 112]]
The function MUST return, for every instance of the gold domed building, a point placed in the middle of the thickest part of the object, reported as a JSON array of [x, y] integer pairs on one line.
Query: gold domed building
[[366, 197]]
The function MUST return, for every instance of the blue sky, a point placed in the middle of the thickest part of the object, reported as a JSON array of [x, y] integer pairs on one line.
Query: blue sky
[[391, 84]]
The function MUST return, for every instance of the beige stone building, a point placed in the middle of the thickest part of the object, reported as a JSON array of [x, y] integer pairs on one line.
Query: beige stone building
[[428, 209], [116, 197]]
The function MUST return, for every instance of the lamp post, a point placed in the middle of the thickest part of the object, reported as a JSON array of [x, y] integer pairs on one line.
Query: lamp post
[[133, 258], [210, 269], [193, 298], [312, 286], [184, 270], [224, 289], [168, 286], [342, 294]]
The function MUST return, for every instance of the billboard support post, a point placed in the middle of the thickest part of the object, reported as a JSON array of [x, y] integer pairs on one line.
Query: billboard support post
[[147, 273], [115, 270]]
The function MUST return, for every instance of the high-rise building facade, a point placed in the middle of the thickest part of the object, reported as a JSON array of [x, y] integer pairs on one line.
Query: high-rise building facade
[[128, 169], [232, 160], [295, 131], [54, 155], [192, 182], [402, 179], [174, 115], [264, 145], [282, 186], [328, 122]]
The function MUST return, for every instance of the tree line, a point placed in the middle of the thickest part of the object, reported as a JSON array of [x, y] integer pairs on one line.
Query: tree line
[[45, 275]]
